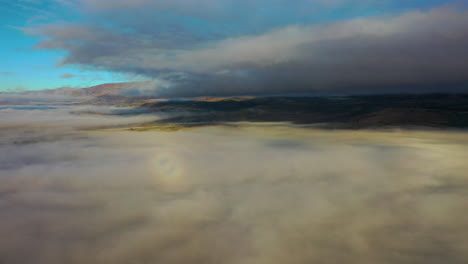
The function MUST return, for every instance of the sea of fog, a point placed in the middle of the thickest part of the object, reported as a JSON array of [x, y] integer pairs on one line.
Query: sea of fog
[[248, 193]]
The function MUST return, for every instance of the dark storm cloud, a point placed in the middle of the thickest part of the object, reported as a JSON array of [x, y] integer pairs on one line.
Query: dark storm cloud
[[418, 50]]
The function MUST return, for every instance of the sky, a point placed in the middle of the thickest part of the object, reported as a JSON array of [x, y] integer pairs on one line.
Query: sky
[[230, 47]]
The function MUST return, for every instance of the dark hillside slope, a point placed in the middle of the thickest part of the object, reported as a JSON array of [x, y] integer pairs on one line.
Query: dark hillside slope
[[433, 110]]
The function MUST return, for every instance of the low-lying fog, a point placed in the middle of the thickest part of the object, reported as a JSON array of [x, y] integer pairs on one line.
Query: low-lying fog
[[246, 194]]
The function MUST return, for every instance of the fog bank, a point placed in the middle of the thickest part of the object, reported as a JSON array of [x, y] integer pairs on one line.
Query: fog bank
[[250, 194]]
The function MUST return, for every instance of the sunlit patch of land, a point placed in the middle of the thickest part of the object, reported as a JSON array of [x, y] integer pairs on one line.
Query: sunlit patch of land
[[162, 127], [223, 99]]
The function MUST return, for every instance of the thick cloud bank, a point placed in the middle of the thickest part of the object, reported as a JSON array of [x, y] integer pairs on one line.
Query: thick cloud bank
[[245, 194], [423, 50]]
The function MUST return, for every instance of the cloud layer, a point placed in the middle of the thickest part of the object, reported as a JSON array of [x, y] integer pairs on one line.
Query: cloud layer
[[248, 194], [418, 50]]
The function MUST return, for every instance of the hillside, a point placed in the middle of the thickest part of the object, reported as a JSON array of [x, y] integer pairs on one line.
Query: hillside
[[373, 111]]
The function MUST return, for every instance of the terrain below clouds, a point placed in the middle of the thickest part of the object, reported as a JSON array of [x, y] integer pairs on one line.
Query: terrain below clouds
[[356, 112]]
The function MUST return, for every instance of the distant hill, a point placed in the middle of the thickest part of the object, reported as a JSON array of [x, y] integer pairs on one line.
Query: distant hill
[[115, 99], [107, 88], [103, 94], [371, 111], [363, 111], [93, 91]]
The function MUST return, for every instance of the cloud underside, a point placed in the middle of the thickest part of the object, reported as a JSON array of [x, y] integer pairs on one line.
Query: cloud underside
[[419, 50]]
